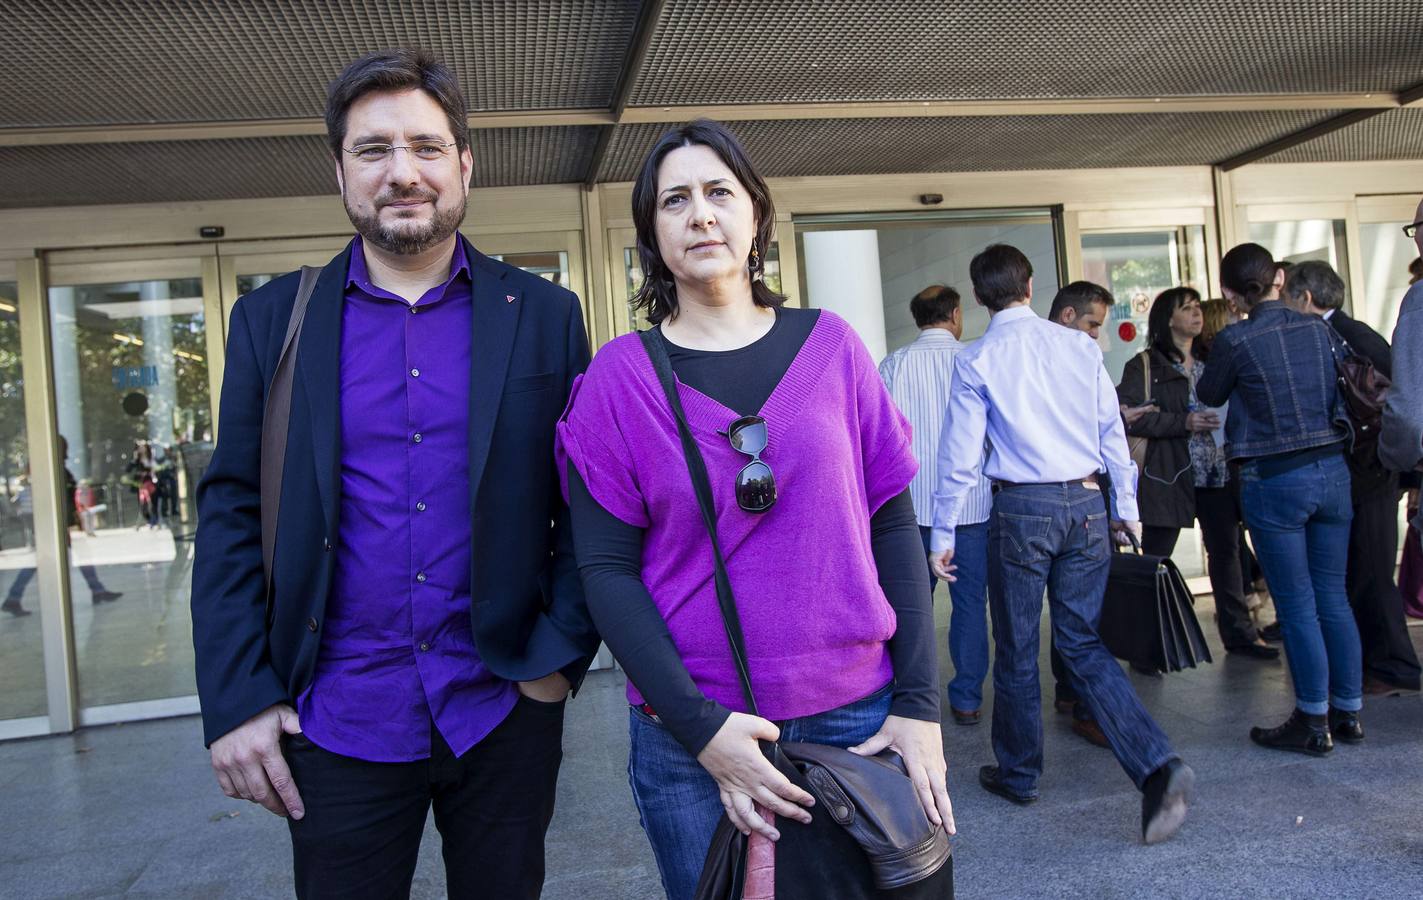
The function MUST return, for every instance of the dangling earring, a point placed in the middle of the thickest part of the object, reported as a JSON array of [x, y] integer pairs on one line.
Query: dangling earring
[[755, 258]]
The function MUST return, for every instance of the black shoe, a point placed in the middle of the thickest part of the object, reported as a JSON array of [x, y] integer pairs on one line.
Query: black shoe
[[106, 596], [1256, 651], [14, 608], [1272, 633], [1301, 733], [1344, 726], [1148, 671], [1163, 801], [989, 778]]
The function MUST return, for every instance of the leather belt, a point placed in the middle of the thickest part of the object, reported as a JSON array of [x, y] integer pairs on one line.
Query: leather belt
[[1089, 481]]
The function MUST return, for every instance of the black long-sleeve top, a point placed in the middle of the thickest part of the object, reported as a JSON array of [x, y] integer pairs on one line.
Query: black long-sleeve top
[[610, 558]]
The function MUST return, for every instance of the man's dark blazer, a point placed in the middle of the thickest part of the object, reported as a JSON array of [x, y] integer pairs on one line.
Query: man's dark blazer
[[1375, 482], [527, 607]]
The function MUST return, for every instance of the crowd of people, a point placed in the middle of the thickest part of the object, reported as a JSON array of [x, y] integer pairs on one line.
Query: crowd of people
[[734, 502]]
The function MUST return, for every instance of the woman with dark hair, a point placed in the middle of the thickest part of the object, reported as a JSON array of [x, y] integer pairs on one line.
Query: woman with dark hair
[[1186, 474], [1285, 428], [823, 552]]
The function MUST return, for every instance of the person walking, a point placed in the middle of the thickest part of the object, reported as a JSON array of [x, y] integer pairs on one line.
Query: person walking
[[423, 621], [1277, 371], [1049, 529], [1186, 474], [917, 376], [810, 465]]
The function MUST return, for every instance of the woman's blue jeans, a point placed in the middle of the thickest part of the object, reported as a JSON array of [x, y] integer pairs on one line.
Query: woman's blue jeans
[[679, 803], [1299, 524]]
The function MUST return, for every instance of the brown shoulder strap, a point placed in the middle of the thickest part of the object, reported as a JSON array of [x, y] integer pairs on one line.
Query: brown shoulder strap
[[275, 417]]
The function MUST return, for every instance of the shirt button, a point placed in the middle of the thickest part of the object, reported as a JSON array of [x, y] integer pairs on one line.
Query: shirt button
[[414, 373], [420, 577], [424, 645], [311, 624], [418, 437], [420, 506], [413, 310]]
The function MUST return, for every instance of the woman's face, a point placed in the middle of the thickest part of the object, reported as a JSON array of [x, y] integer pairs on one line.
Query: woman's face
[[705, 221], [1187, 320]]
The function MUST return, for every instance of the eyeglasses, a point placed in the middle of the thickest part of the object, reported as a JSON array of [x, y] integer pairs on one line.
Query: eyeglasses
[[755, 485], [1410, 230], [425, 151]]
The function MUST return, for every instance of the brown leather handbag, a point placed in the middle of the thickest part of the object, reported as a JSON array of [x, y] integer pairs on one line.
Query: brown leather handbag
[[869, 836], [1363, 391]]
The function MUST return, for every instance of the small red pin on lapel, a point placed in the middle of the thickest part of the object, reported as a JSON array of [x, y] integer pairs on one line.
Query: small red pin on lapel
[[508, 298]]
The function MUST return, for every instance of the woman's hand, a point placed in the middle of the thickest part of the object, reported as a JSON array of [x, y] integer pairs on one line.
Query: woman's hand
[[1202, 421], [921, 746], [744, 775]]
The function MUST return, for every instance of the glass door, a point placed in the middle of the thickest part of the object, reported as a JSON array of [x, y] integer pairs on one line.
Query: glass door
[[131, 363]]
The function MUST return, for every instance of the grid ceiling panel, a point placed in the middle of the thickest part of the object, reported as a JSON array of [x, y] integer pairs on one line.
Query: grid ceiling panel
[[807, 147], [87, 62], [173, 171], [1397, 134], [847, 50]]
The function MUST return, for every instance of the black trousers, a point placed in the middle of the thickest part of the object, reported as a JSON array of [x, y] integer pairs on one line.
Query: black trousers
[[361, 833], [1374, 595], [1218, 511]]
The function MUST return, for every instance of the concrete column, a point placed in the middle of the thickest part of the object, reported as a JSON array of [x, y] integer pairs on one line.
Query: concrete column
[[68, 399], [842, 274]]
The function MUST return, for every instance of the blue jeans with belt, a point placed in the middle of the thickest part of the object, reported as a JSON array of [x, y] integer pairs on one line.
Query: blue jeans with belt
[[1054, 537], [678, 801], [1299, 523]]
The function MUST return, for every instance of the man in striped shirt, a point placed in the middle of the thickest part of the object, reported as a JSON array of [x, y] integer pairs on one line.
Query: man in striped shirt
[[918, 377]]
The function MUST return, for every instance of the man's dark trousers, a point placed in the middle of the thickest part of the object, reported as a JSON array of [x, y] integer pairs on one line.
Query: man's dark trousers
[[361, 833], [1054, 536], [1373, 592]]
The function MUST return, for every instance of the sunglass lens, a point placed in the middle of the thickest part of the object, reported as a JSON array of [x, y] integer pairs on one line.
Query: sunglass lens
[[755, 487], [749, 434]]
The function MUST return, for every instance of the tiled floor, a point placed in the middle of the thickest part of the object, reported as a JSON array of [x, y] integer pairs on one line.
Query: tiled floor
[[132, 810]]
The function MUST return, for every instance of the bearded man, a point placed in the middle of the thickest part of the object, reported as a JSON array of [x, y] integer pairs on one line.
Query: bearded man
[[423, 620]]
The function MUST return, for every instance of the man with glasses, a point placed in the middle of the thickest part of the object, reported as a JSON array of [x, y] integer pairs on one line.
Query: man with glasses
[[1401, 438], [425, 620]]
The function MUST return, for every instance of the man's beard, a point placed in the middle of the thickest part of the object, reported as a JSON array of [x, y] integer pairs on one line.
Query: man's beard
[[400, 238]]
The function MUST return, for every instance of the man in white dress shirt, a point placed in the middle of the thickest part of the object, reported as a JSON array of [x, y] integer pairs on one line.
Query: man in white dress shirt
[[918, 376], [1040, 396]]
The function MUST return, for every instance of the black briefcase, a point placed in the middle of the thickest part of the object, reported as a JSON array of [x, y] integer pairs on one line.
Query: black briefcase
[[1148, 617]]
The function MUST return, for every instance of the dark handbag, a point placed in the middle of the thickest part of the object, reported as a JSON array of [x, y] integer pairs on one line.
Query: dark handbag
[[1148, 617], [1363, 391], [869, 836]]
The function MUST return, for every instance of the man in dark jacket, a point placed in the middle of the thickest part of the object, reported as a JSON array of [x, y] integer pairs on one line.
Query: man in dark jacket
[[1390, 663], [425, 619]]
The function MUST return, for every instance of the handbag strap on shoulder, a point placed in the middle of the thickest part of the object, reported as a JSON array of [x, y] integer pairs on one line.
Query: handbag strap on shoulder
[[276, 415], [701, 485]]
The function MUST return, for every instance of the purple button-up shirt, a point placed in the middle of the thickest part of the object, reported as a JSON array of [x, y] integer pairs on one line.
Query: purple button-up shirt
[[397, 649]]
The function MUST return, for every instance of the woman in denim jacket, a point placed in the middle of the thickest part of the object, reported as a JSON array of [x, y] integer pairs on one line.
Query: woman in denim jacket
[[1277, 370]]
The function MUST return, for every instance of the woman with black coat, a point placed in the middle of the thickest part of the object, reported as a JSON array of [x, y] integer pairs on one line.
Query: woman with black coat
[[1186, 474]]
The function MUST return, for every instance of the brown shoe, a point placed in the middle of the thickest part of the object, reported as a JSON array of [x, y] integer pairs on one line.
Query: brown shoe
[[1377, 687], [1064, 706], [1090, 731], [965, 716]]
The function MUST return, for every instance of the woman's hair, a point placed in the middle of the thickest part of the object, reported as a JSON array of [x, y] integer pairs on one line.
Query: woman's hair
[[1215, 315], [1248, 270], [1158, 322], [657, 297]]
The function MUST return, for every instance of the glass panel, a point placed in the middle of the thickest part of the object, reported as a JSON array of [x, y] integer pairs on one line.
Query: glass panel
[[21, 647], [1305, 239], [1387, 257], [869, 271], [1135, 267], [632, 273], [551, 265], [131, 384]]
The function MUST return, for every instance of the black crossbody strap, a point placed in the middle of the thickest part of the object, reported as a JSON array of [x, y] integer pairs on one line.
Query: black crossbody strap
[[701, 484]]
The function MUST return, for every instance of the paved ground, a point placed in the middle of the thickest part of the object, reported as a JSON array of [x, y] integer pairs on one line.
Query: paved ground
[[132, 810]]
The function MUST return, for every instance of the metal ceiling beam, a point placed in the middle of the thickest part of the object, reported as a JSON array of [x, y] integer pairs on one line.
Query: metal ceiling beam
[[647, 18], [621, 113]]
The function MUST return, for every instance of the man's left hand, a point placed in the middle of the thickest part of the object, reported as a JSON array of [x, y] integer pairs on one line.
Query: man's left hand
[[548, 689]]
